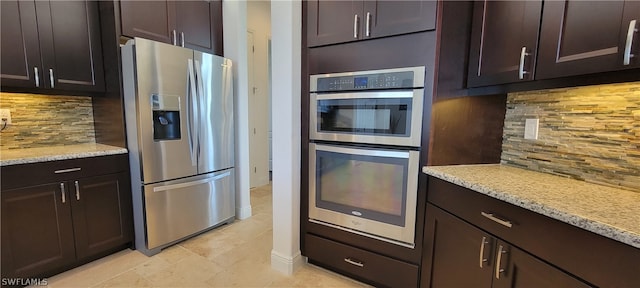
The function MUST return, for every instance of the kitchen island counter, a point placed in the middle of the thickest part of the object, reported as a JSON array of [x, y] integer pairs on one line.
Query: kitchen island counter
[[607, 211], [45, 154]]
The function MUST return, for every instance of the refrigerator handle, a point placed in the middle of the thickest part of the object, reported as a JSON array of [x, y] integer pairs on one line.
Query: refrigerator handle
[[200, 96], [190, 111]]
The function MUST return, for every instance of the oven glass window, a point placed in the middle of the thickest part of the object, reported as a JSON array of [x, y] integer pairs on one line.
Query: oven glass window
[[391, 116], [366, 186]]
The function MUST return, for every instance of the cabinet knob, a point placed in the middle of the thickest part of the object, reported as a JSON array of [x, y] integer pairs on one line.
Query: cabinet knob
[[51, 78], [77, 190], [37, 77], [628, 44], [62, 191], [521, 71], [355, 26]]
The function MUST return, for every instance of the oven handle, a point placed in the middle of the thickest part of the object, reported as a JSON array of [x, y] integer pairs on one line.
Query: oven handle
[[403, 154], [367, 95]]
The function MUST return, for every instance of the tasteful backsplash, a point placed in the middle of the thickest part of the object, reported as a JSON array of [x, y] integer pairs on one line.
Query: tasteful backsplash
[[45, 120], [589, 133]]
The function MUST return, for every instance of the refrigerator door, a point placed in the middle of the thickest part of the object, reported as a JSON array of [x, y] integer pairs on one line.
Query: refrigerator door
[[180, 208], [166, 104], [215, 93]]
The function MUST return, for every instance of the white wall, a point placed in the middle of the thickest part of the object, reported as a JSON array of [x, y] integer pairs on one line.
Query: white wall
[[235, 48], [259, 23], [286, 26]]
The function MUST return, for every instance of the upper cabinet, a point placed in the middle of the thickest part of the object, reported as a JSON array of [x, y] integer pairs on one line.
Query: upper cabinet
[[579, 37], [331, 22], [51, 45], [503, 42], [192, 24], [572, 38]]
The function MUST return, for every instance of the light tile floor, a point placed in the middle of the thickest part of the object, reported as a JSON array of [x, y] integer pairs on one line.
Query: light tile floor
[[235, 255]]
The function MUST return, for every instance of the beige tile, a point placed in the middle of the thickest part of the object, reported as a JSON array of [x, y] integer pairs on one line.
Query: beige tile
[[100, 270], [126, 279], [192, 271]]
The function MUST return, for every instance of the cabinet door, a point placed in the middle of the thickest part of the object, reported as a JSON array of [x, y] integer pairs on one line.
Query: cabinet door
[[37, 234], [199, 24], [331, 22], [149, 19], [386, 18], [581, 37], [19, 45], [517, 269], [504, 39], [101, 213], [70, 45], [456, 253]]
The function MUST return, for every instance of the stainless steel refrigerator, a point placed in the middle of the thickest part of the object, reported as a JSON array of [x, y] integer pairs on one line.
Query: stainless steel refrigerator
[[180, 135]]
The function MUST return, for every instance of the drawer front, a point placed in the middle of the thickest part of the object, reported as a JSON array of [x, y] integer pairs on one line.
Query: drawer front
[[360, 264], [564, 245], [24, 175]]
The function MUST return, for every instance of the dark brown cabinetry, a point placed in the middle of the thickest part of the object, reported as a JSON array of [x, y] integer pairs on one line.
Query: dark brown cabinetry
[[504, 42], [467, 232], [465, 256], [580, 37], [192, 24], [331, 22], [50, 227], [52, 45]]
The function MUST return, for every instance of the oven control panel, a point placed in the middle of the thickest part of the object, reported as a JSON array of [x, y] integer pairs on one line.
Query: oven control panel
[[358, 81]]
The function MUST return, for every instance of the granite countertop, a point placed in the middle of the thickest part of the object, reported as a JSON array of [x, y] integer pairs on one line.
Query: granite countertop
[[610, 212], [44, 154]]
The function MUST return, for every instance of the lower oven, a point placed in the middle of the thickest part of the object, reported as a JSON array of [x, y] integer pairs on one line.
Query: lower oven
[[367, 191]]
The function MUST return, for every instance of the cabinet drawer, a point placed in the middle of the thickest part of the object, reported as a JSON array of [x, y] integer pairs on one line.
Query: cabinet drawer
[[614, 264], [31, 174], [361, 264]]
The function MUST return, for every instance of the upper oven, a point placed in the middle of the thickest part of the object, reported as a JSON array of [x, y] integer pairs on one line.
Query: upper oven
[[373, 107]]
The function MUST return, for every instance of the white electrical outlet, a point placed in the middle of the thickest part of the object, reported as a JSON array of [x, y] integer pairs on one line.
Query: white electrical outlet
[[531, 128], [5, 114]]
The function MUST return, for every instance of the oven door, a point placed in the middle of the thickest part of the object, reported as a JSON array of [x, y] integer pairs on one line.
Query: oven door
[[368, 192], [391, 117]]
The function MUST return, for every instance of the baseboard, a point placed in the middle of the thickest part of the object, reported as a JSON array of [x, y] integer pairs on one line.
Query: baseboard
[[286, 265], [243, 212]]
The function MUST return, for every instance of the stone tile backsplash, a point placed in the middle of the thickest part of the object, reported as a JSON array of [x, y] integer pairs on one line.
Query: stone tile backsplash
[[589, 133], [46, 120]]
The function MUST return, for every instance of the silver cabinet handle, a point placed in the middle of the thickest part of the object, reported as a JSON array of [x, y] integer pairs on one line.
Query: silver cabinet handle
[[53, 85], [67, 170], [521, 72], [499, 269], [175, 40], [355, 26], [35, 72], [182, 39], [482, 244], [628, 43], [496, 219], [64, 199], [368, 27], [356, 263], [77, 190]]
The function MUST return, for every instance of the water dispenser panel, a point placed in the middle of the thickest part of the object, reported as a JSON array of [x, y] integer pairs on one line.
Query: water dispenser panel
[[166, 117]]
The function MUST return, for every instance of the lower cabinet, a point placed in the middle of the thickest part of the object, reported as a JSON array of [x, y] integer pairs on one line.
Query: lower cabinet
[[379, 270], [51, 227], [461, 255]]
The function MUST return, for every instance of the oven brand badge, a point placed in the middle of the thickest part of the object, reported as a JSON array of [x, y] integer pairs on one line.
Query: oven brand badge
[[356, 213]]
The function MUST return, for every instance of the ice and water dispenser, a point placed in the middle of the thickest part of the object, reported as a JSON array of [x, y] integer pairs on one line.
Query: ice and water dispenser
[[166, 117]]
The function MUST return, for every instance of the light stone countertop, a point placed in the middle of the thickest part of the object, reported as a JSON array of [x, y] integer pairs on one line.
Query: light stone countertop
[[610, 212], [44, 154]]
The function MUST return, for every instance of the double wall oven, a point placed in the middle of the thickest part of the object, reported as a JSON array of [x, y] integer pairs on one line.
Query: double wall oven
[[365, 132]]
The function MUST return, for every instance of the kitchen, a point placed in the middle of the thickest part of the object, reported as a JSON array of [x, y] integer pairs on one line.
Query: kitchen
[[287, 243]]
